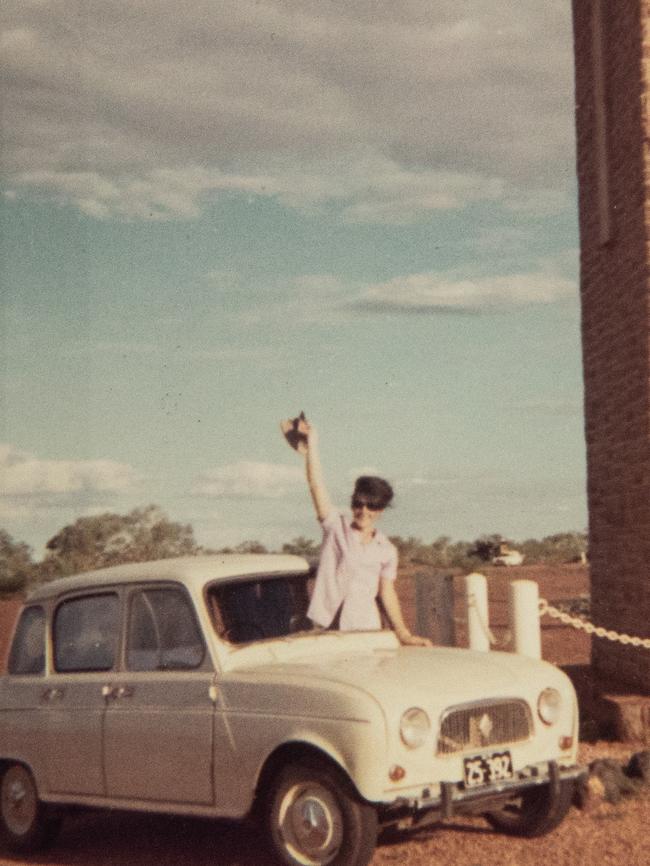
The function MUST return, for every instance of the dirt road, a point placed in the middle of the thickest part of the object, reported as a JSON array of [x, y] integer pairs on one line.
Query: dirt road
[[603, 835]]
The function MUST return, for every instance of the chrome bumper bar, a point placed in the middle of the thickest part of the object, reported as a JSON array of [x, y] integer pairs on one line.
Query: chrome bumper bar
[[456, 799]]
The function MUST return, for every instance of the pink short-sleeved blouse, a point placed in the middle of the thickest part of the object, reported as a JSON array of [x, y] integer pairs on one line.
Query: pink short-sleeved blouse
[[348, 574]]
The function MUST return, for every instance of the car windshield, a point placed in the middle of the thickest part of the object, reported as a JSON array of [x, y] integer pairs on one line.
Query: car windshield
[[261, 608]]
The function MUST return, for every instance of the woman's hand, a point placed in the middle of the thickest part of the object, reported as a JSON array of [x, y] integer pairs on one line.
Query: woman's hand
[[390, 601], [408, 639], [298, 432]]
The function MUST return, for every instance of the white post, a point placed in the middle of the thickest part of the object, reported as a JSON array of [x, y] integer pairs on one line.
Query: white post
[[476, 600], [524, 618]]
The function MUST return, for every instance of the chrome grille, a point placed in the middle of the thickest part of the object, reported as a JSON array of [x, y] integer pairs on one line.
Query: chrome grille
[[478, 725]]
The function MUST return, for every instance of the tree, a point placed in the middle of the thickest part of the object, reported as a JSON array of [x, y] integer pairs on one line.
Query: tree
[[242, 547], [16, 564], [557, 548], [108, 539], [410, 549], [302, 546], [486, 547], [250, 547]]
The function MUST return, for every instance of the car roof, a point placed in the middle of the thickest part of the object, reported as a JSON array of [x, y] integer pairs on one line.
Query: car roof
[[192, 571]]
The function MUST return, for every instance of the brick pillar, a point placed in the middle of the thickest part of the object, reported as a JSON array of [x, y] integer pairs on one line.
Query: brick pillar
[[612, 59]]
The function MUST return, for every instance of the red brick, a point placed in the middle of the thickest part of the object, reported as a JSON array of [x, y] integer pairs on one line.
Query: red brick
[[615, 328]]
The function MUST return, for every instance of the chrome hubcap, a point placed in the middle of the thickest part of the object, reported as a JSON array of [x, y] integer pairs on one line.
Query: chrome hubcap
[[310, 824], [19, 802], [17, 793]]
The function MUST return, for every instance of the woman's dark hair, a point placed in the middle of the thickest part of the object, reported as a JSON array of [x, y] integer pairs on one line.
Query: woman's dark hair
[[373, 489]]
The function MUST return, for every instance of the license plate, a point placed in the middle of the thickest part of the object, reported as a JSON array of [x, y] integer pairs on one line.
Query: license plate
[[487, 769]]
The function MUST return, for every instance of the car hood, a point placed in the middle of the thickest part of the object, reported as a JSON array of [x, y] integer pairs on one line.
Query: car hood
[[436, 677]]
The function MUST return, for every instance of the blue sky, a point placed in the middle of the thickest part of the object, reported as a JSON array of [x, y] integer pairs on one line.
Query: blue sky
[[213, 220]]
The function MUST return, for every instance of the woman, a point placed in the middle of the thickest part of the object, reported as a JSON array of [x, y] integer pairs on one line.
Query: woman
[[357, 561]]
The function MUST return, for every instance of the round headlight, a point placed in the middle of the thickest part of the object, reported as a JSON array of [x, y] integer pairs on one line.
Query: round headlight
[[549, 705], [414, 727]]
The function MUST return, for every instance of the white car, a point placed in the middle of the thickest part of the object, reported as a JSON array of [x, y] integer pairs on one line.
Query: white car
[[197, 686], [511, 557]]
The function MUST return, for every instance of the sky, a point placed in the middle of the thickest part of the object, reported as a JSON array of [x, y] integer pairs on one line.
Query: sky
[[215, 215]]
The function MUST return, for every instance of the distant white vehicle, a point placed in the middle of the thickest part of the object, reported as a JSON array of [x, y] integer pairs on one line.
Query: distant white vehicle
[[508, 557]]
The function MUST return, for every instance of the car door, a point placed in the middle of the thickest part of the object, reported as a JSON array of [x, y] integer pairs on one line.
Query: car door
[[158, 734], [86, 639], [24, 690]]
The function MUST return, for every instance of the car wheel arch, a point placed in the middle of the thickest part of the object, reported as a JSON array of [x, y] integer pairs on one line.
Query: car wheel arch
[[297, 751], [41, 820], [7, 762]]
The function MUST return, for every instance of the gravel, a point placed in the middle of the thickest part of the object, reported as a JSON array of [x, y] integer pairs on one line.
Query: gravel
[[602, 833]]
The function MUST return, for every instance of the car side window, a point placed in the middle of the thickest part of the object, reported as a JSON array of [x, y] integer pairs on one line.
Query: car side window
[[27, 655], [163, 632], [86, 633]]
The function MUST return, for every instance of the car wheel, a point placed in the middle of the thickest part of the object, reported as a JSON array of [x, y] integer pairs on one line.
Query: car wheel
[[315, 819], [26, 824], [535, 812]]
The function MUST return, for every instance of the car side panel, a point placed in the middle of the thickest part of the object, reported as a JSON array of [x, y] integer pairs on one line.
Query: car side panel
[[71, 744], [158, 742], [22, 723], [260, 717]]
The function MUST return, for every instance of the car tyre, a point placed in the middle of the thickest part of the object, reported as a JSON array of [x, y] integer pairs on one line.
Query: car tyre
[[314, 818], [535, 812], [26, 824]]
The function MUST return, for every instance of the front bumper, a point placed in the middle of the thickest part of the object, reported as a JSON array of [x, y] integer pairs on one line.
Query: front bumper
[[455, 799]]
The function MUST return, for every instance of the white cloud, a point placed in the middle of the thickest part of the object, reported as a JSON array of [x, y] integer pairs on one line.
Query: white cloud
[[385, 111], [248, 478], [365, 189], [326, 298], [432, 292], [27, 478]]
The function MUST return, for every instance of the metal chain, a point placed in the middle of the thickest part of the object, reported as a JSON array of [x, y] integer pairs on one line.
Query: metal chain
[[487, 631], [583, 624]]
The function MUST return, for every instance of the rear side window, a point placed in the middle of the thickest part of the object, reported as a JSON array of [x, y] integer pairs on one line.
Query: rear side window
[[163, 632], [28, 648], [86, 633]]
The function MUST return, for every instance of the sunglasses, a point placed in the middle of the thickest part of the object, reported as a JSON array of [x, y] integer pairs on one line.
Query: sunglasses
[[358, 504]]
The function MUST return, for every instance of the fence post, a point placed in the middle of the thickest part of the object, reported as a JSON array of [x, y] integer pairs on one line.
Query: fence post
[[476, 600], [434, 608], [524, 618]]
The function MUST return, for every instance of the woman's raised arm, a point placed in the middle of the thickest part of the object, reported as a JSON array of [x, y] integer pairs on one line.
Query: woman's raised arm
[[307, 445]]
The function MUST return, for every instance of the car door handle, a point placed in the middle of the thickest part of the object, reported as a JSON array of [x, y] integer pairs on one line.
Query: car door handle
[[125, 691], [52, 694], [114, 693]]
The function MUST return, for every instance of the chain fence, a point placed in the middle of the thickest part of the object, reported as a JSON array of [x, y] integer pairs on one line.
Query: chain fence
[[566, 618], [582, 624], [485, 628]]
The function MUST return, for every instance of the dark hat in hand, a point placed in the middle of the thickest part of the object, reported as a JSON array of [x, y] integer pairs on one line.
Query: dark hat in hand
[[293, 433]]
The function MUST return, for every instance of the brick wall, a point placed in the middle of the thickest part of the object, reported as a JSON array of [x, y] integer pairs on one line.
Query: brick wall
[[614, 208]]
